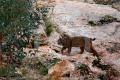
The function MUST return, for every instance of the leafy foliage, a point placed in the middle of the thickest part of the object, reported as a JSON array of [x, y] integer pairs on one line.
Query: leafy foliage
[[48, 24], [14, 16], [42, 68], [7, 71], [49, 28], [17, 21], [16, 24], [103, 20], [84, 69], [97, 63], [107, 19]]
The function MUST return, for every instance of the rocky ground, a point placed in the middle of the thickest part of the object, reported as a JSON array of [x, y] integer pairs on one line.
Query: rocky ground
[[88, 18]]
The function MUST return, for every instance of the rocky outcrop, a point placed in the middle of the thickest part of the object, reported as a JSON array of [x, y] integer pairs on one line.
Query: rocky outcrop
[[59, 70], [73, 17], [41, 35]]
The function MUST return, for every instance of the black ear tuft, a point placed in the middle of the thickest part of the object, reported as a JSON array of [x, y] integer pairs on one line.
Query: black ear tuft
[[93, 39]]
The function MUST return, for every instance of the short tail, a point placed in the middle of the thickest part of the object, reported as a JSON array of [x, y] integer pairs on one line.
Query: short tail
[[93, 39]]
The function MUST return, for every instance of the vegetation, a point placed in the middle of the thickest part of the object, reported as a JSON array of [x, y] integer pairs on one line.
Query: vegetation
[[16, 25], [92, 23], [105, 2], [48, 25], [41, 68], [97, 63], [84, 69], [107, 19], [103, 20], [54, 61]]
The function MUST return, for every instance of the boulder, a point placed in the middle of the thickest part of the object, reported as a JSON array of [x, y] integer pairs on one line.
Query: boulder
[[60, 69], [72, 17]]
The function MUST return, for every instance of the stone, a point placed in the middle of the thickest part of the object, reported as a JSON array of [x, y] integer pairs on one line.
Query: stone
[[60, 69]]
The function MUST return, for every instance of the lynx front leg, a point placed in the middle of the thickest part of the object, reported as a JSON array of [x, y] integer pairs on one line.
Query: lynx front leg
[[63, 49], [69, 50]]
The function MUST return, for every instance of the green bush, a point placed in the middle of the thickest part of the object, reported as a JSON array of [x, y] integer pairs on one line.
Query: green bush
[[92, 23], [15, 26], [48, 25], [107, 19], [43, 70], [84, 69], [8, 71], [52, 62], [103, 20]]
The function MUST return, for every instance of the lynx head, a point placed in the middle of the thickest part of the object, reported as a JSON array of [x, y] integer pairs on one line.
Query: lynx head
[[62, 39]]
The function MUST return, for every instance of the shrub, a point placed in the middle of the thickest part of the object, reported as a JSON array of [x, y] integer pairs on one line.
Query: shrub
[[15, 29], [48, 25], [41, 68], [92, 23], [107, 19], [84, 69], [103, 20], [97, 63]]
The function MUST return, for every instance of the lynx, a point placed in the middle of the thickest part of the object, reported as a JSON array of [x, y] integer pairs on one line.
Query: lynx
[[84, 43]]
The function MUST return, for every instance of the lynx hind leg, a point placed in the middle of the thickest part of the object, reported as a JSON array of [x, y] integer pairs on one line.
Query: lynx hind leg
[[90, 48], [82, 50]]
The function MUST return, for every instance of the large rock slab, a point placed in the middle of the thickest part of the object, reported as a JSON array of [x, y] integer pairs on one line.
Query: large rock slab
[[72, 17], [60, 69]]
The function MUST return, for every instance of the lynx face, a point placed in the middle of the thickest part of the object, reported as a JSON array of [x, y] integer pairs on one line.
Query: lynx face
[[60, 41]]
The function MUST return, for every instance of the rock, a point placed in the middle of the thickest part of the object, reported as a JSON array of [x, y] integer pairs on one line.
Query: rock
[[76, 22], [60, 69], [41, 35], [116, 6], [53, 41], [72, 17]]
